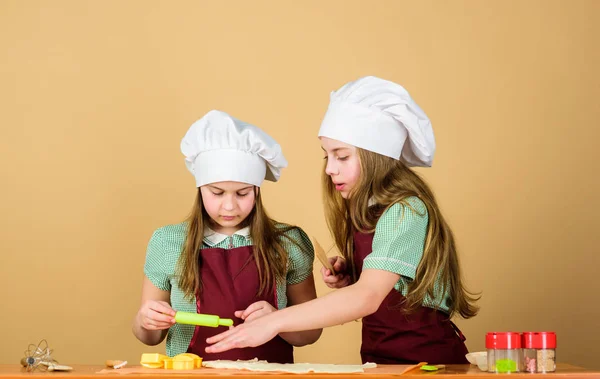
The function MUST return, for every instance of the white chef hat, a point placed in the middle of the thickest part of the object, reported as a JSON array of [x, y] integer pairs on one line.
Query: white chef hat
[[219, 148], [380, 116]]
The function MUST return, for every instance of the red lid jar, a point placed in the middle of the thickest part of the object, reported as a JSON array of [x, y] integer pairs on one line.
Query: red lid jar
[[538, 340], [503, 340]]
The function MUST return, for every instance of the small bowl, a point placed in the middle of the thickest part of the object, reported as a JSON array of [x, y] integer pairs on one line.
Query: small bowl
[[479, 359]]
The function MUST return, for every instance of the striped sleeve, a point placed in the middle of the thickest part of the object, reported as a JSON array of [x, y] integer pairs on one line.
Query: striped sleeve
[[399, 239], [155, 266], [300, 256]]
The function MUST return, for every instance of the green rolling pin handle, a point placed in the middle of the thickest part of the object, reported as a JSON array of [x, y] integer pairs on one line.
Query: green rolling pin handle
[[200, 319], [225, 322]]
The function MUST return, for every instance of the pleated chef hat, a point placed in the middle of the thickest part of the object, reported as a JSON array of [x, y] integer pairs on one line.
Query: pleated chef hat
[[219, 148], [380, 116]]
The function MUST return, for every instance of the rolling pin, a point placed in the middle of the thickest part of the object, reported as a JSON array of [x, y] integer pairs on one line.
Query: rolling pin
[[201, 319]]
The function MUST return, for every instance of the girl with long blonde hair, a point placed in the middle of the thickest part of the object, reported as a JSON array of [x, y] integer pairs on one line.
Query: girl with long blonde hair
[[229, 258], [399, 268]]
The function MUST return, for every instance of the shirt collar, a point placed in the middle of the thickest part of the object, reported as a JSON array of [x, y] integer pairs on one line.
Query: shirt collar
[[212, 238]]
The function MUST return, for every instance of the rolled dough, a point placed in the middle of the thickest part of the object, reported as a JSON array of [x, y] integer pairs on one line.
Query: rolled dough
[[294, 368]]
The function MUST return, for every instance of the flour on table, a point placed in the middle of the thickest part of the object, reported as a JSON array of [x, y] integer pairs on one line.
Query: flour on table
[[294, 368]]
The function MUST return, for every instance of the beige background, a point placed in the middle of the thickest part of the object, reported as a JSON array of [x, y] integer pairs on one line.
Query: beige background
[[95, 97]]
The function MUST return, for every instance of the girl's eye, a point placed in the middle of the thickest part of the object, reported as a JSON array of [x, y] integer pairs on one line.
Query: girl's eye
[[343, 158], [243, 194], [217, 193]]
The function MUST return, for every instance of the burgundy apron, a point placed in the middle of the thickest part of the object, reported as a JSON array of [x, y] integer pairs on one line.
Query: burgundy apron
[[390, 336], [230, 283]]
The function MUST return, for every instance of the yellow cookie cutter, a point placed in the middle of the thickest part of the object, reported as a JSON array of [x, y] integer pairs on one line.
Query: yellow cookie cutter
[[183, 361]]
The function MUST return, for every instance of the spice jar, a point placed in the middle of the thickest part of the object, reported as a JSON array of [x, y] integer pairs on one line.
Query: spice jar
[[539, 351], [503, 352]]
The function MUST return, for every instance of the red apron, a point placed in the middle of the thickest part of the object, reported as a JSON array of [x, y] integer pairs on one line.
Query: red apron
[[389, 336], [230, 283]]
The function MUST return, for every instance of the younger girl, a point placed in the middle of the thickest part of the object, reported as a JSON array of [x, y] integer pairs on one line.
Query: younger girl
[[399, 269], [229, 256]]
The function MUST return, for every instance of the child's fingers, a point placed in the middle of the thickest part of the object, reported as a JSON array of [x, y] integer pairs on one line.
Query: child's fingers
[[160, 317], [153, 325], [343, 283], [332, 279], [254, 315], [325, 272], [338, 282], [162, 326], [254, 307], [162, 307], [220, 336], [339, 265], [238, 314], [265, 308]]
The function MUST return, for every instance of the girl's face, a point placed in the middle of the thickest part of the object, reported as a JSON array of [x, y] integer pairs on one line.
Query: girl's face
[[343, 165], [228, 204]]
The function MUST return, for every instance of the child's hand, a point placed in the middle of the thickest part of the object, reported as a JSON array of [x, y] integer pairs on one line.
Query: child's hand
[[254, 311], [156, 315], [248, 334], [342, 279]]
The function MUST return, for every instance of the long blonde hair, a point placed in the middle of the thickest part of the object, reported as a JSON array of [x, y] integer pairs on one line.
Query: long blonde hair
[[388, 181], [267, 236]]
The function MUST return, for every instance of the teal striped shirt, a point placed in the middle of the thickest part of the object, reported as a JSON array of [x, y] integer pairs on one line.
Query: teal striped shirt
[[166, 246], [398, 246]]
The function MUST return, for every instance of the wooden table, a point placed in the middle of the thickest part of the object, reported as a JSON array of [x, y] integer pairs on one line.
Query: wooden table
[[382, 371]]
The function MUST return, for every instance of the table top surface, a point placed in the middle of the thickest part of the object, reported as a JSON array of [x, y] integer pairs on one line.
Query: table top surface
[[86, 371]]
